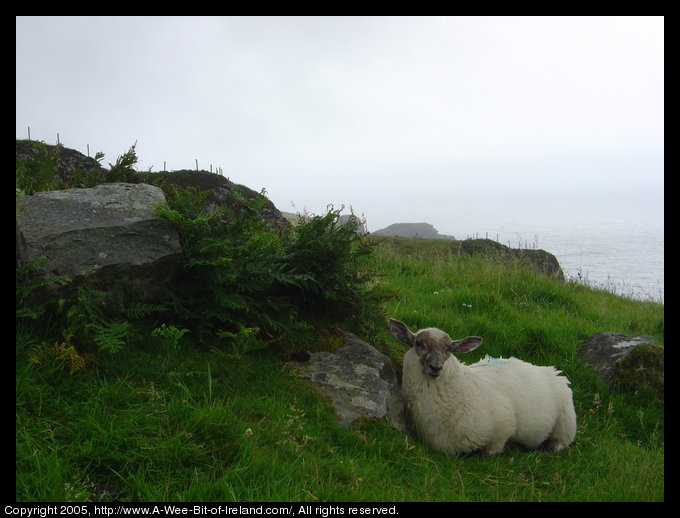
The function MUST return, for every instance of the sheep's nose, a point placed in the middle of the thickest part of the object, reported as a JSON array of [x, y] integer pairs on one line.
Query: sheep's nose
[[434, 370]]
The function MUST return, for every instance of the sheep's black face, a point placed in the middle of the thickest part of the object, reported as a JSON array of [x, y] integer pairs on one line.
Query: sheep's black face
[[432, 348]]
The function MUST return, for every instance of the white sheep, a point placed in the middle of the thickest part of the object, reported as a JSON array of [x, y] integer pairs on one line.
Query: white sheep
[[458, 408]]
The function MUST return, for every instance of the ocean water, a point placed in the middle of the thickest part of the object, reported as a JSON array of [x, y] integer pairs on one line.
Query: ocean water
[[617, 244]]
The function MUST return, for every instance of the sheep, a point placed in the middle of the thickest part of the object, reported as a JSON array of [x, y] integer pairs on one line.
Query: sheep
[[458, 408]]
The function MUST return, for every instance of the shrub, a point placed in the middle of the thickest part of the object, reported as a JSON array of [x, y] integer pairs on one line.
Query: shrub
[[123, 170], [247, 283], [38, 172], [334, 256], [250, 285]]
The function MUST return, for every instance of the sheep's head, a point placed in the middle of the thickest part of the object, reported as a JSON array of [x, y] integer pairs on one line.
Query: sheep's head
[[433, 346]]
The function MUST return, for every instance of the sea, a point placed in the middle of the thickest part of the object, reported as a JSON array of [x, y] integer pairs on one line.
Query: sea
[[615, 243]]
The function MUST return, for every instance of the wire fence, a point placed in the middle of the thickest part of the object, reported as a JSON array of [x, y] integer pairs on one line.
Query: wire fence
[[521, 244], [218, 170]]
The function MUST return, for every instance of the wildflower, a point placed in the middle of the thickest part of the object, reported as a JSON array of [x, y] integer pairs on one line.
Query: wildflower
[[597, 402]]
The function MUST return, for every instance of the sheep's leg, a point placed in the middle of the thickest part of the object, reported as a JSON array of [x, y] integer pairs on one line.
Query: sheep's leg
[[495, 447], [551, 444], [563, 432]]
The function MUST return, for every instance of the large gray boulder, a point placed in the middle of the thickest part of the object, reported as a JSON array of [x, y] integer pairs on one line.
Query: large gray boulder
[[359, 380], [101, 236]]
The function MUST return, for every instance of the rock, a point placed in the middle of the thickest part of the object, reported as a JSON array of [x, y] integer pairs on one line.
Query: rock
[[420, 230], [100, 236], [538, 260], [221, 191], [359, 380], [642, 367], [67, 161], [610, 353], [344, 219], [541, 261]]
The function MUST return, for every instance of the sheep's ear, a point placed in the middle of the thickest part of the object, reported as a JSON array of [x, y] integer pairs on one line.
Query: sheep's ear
[[465, 345], [401, 332]]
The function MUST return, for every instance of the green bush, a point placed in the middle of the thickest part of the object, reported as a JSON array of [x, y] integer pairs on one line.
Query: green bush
[[341, 287], [123, 170], [39, 172], [246, 284], [250, 285]]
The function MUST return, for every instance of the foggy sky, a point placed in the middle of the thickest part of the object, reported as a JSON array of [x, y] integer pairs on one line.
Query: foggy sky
[[403, 118]]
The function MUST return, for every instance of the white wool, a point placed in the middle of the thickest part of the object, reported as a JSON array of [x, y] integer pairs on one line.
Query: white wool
[[484, 405]]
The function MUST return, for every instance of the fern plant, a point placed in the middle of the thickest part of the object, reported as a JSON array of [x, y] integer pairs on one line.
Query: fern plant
[[245, 285], [103, 318], [335, 257], [249, 285], [123, 170], [27, 283], [66, 353], [110, 337], [236, 270], [169, 335], [38, 172]]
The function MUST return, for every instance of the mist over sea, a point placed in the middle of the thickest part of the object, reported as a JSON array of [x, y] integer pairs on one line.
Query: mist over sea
[[614, 241]]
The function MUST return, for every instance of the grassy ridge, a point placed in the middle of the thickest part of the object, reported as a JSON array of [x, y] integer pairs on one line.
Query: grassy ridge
[[185, 424], [521, 313]]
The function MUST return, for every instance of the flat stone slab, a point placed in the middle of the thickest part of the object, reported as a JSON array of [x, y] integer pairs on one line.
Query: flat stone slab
[[359, 380], [100, 236]]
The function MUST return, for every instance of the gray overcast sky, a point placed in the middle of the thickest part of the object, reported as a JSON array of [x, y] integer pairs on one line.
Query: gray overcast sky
[[399, 117]]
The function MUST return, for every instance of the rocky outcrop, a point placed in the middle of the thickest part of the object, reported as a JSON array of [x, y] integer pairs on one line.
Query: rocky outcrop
[[358, 379], [420, 230], [539, 260], [625, 360], [221, 191], [74, 169], [99, 236], [68, 162]]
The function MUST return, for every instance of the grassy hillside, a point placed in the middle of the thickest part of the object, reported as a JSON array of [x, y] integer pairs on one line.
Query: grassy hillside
[[185, 424], [191, 399]]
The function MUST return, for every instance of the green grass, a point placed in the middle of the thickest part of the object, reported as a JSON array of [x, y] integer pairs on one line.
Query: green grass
[[193, 425]]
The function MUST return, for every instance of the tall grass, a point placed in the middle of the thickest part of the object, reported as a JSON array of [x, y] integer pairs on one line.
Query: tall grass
[[185, 424]]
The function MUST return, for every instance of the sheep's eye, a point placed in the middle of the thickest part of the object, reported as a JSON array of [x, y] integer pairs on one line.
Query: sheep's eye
[[419, 344]]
